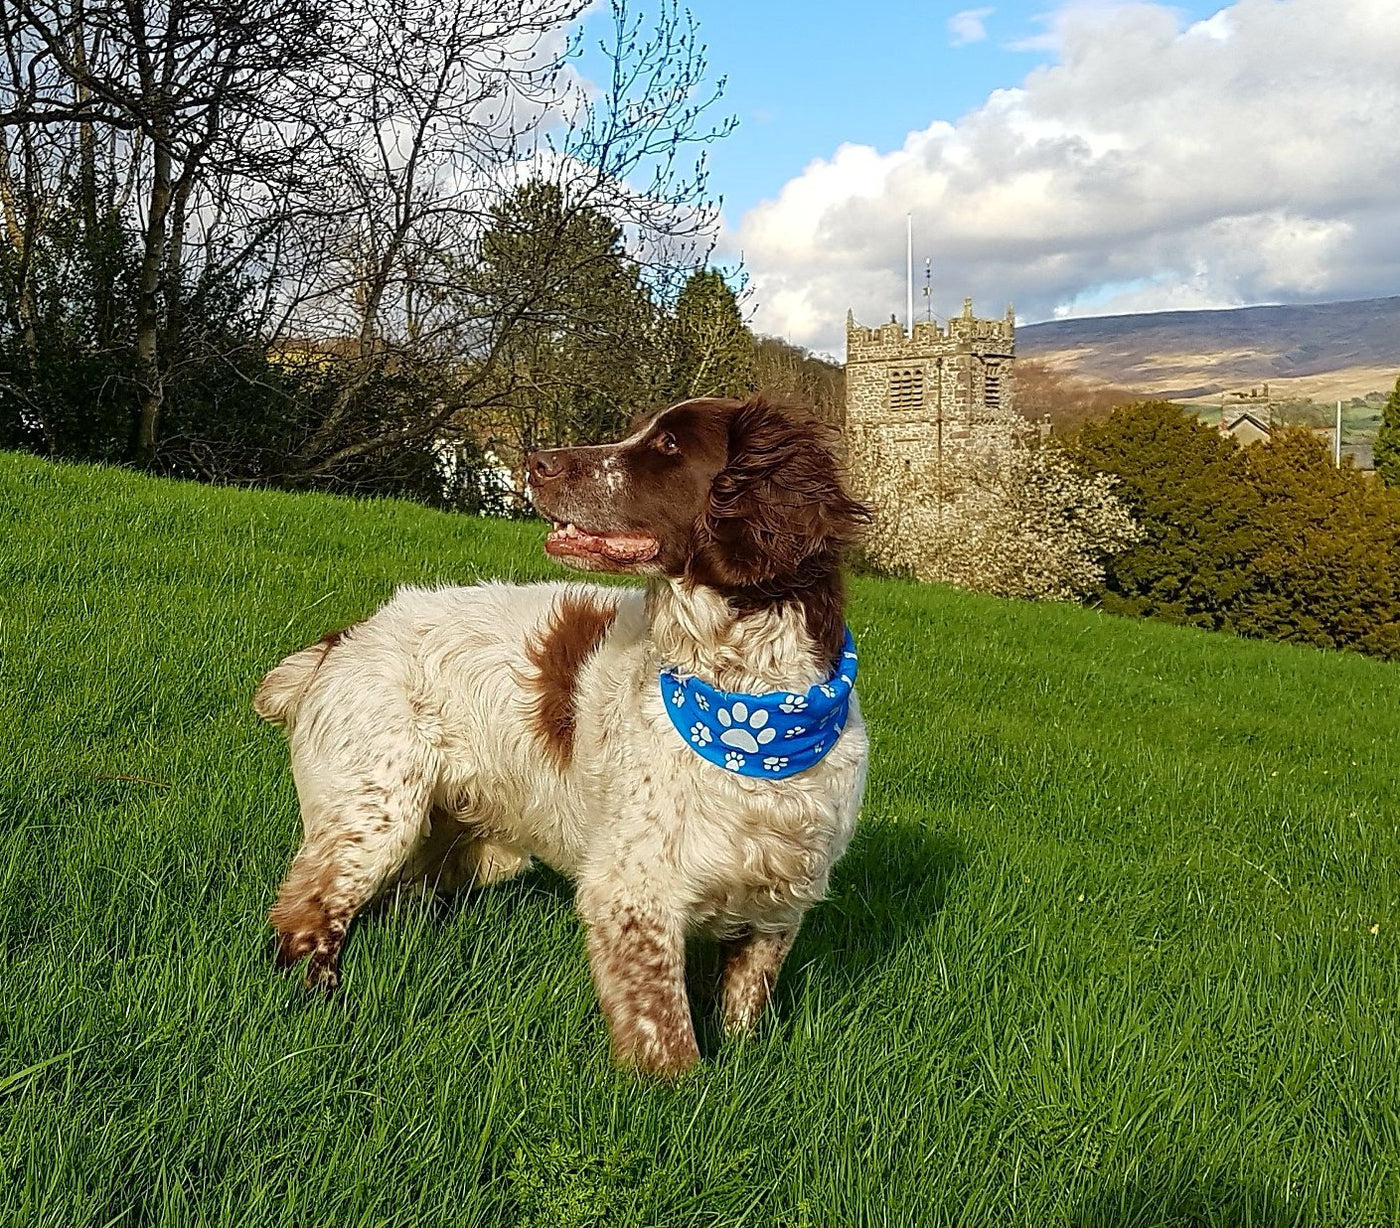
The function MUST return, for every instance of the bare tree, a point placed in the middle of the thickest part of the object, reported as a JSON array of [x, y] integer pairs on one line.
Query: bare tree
[[460, 106], [321, 176], [188, 79]]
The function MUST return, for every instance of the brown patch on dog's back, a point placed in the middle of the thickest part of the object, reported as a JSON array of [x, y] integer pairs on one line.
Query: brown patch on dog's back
[[573, 630]]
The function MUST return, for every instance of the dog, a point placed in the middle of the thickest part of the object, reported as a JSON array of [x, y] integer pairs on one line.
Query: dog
[[457, 733]]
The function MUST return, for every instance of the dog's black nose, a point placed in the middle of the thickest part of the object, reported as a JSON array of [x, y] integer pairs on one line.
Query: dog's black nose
[[541, 466]]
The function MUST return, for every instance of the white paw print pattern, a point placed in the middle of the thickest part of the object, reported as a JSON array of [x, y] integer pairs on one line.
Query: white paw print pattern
[[846, 678], [701, 702], [733, 761], [744, 729], [796, 731], [700, 734], [828, 691], [775, 763], [678, 697], [793, 703]]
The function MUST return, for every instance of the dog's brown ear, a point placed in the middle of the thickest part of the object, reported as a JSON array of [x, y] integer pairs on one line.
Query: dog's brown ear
[[778, 515]]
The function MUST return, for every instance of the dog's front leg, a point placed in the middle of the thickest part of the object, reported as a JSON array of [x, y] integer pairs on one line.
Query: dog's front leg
[[751, 968], [637, 953]]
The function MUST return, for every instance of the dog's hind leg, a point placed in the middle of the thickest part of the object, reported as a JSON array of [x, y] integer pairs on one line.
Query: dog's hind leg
[[359, 834]]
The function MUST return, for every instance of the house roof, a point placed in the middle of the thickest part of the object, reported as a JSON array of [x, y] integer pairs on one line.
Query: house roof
[[1241, 419]]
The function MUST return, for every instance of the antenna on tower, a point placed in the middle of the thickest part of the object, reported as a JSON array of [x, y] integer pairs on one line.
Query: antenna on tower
[[928, 287]]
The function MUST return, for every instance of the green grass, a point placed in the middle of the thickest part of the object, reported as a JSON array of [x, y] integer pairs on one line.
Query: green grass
[[1115, 944]]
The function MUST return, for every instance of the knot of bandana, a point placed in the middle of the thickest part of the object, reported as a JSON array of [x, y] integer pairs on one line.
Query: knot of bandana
[[775, 735]]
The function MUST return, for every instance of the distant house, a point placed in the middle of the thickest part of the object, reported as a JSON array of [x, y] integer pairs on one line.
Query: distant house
[[1245, 428], [1247, 417], [1362, 455]]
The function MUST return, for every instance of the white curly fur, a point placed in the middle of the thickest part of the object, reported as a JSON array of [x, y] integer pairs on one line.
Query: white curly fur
[[420, 758]]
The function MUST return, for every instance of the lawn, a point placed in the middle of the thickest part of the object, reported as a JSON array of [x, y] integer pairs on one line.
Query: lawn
[[1116, 943]]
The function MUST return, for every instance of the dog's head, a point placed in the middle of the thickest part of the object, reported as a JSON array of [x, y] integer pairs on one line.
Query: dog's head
[[743, 496]]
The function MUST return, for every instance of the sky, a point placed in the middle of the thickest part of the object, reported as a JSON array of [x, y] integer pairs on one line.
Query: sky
[[1081, 158]]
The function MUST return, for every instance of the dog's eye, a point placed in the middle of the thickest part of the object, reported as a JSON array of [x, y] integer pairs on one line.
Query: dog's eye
[[666, 442]]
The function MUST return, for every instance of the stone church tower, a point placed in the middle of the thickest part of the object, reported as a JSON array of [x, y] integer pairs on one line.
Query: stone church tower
[[942, 385]]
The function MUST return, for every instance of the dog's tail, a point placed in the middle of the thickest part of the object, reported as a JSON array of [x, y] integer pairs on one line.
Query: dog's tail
[[279, 695]]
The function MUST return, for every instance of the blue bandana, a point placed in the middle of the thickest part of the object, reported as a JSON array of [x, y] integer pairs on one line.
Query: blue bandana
[[773, 735]]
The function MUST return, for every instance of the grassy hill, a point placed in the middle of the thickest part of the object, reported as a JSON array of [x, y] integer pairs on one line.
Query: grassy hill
[[1116, 943], [1322, 352]]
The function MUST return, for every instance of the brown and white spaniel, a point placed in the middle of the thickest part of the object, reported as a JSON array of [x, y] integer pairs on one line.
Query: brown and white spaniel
[[458, 732]]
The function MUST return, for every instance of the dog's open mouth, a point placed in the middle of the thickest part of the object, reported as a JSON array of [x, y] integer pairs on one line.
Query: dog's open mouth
[[571, 541]]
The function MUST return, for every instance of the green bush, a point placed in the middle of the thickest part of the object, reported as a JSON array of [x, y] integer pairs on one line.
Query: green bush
[[1326, 571], [1183, 483], [1388, 439], [1269, 541]]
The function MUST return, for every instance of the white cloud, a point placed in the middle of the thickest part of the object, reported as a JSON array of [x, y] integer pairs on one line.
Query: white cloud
[[1251, 157], [1217, 27], [968, 26]]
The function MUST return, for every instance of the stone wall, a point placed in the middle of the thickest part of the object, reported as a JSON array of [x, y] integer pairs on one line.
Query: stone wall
[[916, 393]]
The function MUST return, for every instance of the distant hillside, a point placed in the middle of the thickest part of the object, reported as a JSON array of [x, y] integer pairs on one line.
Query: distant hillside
[[1323, 351]]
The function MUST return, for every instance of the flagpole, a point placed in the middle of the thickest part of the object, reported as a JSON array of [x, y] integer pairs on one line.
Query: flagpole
[[909, 272]]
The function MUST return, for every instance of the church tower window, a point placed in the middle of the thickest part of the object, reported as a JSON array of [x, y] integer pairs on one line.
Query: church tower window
[[907, 389]]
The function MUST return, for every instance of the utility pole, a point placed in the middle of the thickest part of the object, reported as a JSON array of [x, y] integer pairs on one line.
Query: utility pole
[[1337, 439]]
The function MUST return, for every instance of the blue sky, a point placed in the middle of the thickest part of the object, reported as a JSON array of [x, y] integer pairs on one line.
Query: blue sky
[[804, 78], [1078, 157]]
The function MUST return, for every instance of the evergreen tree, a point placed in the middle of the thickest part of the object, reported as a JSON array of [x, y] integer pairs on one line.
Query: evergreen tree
[[1183, 484], [1388, 439], [1270, 540], [1326, 570], [712, 348], [579, 358]]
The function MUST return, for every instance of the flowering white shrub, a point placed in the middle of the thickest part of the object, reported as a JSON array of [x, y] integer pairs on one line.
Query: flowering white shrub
[[996, 514]]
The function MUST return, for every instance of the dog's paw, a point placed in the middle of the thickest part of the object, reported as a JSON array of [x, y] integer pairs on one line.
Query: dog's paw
[[294, 946], [322, 975]]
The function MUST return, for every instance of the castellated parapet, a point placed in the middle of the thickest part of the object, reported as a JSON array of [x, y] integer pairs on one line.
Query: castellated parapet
[[940, 385]]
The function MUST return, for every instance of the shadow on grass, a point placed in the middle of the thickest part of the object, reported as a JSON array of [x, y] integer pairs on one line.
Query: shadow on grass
[[888, 888], [886, 891], [1185, 1202]]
